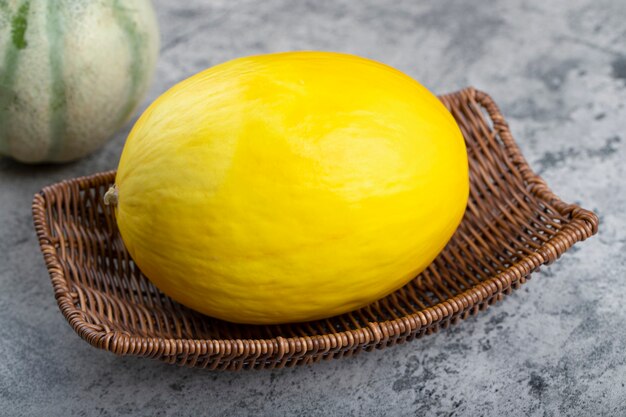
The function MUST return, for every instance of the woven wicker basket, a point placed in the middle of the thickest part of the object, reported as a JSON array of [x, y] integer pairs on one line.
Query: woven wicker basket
[[513, 224]]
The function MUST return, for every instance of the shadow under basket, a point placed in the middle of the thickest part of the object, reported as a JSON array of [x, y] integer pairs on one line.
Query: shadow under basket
[[513, 224]]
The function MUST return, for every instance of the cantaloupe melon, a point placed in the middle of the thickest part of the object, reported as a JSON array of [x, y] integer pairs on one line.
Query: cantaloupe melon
[[71, 73]]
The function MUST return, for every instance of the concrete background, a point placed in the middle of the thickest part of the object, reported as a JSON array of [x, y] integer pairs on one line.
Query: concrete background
[[556, 347]]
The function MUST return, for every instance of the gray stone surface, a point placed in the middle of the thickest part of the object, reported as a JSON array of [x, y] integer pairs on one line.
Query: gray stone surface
[[556, 347]]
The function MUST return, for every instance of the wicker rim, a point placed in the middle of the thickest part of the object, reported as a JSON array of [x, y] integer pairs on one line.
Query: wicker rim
[[582, 225]]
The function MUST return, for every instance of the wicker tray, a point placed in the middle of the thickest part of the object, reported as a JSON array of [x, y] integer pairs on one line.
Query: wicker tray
[[513, 224]]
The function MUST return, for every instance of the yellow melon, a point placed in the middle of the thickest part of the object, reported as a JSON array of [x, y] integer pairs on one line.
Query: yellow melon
[[290, 187]]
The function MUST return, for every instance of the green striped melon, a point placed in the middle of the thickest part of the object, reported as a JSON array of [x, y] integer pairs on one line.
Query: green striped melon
[[71, 73]]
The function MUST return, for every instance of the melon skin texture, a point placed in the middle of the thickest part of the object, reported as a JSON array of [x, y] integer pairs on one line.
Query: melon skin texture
[[72, 72], [290, 187]]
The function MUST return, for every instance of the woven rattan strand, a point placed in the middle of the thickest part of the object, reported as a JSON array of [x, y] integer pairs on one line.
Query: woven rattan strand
[[512, 226]]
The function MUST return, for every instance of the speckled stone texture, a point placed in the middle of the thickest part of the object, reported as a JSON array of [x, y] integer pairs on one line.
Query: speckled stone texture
[[557, 347]]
